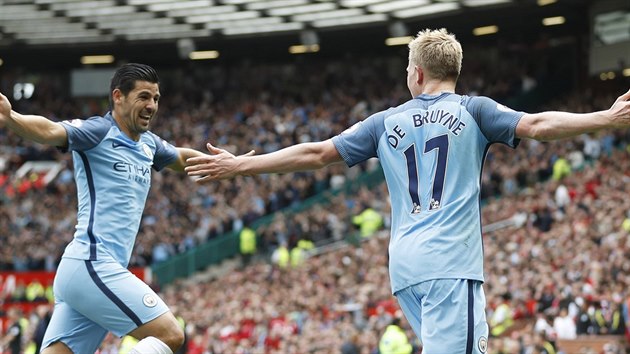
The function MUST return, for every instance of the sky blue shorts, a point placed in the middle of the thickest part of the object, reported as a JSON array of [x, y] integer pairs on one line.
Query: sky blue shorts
[[447, 315], [94, 297]]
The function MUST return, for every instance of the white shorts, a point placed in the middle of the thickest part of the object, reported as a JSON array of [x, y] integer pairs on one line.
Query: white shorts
[[447, 315], [94, 297]]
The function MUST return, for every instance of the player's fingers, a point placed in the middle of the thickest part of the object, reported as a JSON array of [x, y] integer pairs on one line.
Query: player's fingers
[[194, 165], [213, 149], [624, 97], [196, 170], [204, 179], [198, 160], [191, 163]]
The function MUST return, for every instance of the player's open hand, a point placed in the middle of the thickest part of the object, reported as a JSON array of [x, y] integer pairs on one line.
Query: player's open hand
[[220, 164], [5, 109], [620, 110]]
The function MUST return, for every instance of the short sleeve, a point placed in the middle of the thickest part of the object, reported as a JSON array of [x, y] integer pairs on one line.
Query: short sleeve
[[360, 142], [165, 153], [86, 134], [496, 121]]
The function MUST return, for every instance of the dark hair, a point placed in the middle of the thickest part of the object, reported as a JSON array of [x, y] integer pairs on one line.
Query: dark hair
[[126, 76]]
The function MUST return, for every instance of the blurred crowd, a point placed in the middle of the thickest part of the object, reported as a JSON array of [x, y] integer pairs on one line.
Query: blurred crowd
[[262, 107], [271, 110], [557, 269]]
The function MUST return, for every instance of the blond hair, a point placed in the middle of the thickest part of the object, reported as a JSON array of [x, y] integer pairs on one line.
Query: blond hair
[[438, 53]]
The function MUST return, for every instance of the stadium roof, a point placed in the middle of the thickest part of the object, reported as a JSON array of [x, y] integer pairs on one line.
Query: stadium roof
[[105, 25]]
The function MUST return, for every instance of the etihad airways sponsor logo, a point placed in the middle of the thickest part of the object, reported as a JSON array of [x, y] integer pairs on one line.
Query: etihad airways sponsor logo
[[131, 168]]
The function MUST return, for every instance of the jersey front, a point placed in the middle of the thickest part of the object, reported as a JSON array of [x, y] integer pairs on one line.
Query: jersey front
[[432, 150], [113, 177]]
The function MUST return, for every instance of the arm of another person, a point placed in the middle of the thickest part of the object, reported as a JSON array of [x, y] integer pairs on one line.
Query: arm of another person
[[32, 127], [185, 154], [301, 157], [554, 125]]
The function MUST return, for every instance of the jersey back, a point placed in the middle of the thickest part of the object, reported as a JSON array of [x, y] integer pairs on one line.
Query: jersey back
[[432, 150]]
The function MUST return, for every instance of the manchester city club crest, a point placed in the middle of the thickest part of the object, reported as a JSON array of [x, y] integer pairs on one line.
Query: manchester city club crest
[[147, 151], [149, 300], [483, 344]]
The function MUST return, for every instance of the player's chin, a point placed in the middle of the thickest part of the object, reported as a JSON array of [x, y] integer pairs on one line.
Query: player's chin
[[144, 124]]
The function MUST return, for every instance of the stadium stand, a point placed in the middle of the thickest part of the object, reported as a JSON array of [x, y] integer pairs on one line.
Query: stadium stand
[[566, 250], [562, 232]]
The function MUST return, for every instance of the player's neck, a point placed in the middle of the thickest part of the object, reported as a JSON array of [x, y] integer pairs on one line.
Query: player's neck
[[435, 87], [124, 128]]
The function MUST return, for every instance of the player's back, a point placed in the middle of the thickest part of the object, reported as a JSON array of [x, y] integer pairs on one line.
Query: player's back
[[432, 153]]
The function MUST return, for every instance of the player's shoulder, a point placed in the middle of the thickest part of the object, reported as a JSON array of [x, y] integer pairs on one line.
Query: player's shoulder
[[156, 142], [482, 105], [401, 107], [106, 120], [152, 138], [476, 102], [93, 122], [84, 134]]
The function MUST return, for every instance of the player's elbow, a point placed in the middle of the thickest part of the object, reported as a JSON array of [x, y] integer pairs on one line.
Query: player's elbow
[[325, 154], [320, 161], [175, 339], [533, 126], [54, 134]]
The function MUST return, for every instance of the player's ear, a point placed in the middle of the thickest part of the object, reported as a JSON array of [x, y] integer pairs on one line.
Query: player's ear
[[420, 75], [117, 96]]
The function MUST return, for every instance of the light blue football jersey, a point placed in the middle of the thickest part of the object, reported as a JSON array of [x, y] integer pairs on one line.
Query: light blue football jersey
[[113, 177], [432, 150]]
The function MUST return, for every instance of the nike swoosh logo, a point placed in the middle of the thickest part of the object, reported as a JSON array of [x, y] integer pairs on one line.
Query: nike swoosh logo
[[116, 145]]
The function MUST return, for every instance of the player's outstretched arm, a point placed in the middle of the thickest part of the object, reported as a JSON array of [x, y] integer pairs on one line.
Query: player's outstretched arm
[[185, 154], [553, 125], [302, 157], [32, 127]]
